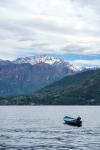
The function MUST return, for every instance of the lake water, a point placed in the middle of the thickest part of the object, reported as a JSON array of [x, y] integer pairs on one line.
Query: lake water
[[42, 128]]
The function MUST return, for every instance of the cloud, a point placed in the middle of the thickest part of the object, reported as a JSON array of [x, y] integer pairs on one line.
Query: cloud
[[86, 62], [49, 26]]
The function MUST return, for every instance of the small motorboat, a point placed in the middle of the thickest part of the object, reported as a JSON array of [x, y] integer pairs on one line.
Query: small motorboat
[[72, 121]]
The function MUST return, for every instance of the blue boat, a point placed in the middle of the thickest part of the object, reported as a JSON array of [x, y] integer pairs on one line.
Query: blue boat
[[73, 121]]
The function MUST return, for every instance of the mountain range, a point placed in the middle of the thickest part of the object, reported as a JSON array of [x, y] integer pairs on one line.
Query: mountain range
[[82, 88], [29, 74], [44, 80]]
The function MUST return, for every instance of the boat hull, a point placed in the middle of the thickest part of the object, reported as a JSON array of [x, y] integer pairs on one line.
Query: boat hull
[[73, 123]]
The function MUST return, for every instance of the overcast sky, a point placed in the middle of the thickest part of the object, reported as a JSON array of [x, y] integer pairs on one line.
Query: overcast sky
[[62, 28]]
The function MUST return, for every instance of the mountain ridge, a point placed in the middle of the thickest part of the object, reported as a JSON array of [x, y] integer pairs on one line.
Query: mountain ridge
[[25, 75], [46, 59]]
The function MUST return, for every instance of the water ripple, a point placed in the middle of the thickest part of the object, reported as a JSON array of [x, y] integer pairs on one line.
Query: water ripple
[[49, 132]]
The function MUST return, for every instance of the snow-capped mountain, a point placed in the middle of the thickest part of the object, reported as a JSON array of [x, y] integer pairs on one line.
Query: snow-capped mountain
[[25, 75], [37, 59], [48, 60]]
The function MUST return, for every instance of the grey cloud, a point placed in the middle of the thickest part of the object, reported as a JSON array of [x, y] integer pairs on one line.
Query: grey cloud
[[39, 31]]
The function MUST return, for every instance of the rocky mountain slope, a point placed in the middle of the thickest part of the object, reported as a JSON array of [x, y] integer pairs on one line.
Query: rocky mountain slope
[[78, 89], [25, 75]]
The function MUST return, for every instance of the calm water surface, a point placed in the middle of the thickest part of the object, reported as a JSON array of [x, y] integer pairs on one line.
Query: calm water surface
[[42, 128]]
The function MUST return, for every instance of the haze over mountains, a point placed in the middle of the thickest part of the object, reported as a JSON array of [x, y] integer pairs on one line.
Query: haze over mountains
[[25, 75]]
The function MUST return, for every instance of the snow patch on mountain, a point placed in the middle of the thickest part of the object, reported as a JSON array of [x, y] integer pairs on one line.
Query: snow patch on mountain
[[37, 59], [49, 60]]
